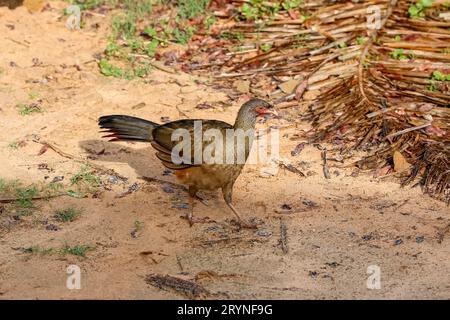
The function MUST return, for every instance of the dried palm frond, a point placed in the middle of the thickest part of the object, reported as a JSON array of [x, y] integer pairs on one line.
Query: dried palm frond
[[381, 76]]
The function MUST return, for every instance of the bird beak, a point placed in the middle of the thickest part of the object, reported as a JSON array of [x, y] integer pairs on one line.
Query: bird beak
[[264, 110]]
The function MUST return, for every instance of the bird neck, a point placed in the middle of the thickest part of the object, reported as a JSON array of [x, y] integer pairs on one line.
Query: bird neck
[[245, 122]]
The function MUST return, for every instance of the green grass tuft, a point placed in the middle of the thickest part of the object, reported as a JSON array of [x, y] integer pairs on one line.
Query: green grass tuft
[[79, 250], [67, 215], [189, 9], [28, 109], [86, 177]]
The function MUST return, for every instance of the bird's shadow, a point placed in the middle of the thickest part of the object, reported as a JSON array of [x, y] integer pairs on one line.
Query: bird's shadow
[[142, 160]]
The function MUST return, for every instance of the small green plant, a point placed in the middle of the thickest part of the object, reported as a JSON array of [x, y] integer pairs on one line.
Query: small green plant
[[86, 177], [398, 54], [9, 186], [189, 9], [209, 21], [439, 76], [433, 86], [38, 250], [259, 9], [291, 4], [417, 10], [398, 38], [28, 109], [14, 145], [138, 225], [183, 36], [138, 8], [25, 196], [361, 40], [124, 25], [265, 46], [113, 50], [150, 31], [67, 215], [142, 69], [135, 44], [107, 69], [239, 36], [79, 250], [151, 48]]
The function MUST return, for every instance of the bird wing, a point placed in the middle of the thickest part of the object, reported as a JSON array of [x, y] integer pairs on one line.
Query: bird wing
[[164, 142]]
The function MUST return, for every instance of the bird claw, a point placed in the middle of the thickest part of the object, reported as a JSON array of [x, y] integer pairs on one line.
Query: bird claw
[[248, 225], [193, 220], [242, 224]]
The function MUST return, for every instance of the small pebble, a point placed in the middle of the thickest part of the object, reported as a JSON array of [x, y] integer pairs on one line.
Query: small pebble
[[333, 264], [420, 239], [181, 206], [263, 233], [167, 188], [133, 187], [113, 179], [310, 203], [58, 179], [51, 227], [398, 242]]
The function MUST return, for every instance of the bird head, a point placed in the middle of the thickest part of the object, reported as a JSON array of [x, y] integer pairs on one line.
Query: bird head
[[252, 109], [259, 107]]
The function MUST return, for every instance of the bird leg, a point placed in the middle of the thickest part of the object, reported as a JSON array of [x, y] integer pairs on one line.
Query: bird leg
[[242, 223], [227, 193], [190, 215]]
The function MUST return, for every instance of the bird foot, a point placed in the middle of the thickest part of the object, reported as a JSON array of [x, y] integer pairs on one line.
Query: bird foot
[[244, 224], [247, 225], [193, 220]]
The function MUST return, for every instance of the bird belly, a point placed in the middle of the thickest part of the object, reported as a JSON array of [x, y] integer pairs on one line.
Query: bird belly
[[207, 177]]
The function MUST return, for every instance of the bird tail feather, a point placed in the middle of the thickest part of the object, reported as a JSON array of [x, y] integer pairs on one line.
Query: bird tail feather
[[120, 127]]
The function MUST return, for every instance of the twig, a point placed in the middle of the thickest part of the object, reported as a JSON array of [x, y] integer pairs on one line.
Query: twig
[[156, 64], [13, 199], [81, 160], [185, 287], [179, 263], [326, 170], [283, 237], [398, 133]]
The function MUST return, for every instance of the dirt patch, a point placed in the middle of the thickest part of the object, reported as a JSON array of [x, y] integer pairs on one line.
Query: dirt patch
[[316, 239]]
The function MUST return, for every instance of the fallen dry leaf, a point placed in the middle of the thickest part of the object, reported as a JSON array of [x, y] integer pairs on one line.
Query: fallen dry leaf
[[289, 86], [242, 86], [400, 163]]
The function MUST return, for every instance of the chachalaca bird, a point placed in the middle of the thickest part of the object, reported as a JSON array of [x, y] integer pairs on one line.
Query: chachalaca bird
[[197, 176]]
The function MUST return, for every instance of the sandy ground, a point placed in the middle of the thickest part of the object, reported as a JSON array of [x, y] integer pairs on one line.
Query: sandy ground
[[336, 229]]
